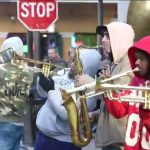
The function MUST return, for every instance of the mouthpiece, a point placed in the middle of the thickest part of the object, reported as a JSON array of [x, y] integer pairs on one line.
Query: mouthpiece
[[95, 47]]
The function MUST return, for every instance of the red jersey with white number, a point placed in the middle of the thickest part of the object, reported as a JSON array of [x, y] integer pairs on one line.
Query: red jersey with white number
[[138, 129], [137, 136]]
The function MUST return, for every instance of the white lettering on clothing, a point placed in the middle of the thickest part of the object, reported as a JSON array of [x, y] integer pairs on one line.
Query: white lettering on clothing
[[145, 144], [132, 133], [131, 140]]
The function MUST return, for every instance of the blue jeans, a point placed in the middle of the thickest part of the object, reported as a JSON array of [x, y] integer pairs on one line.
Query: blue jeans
[[10, 136]]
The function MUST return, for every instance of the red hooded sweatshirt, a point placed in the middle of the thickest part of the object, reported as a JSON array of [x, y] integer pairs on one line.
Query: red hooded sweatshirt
[[138, 125]]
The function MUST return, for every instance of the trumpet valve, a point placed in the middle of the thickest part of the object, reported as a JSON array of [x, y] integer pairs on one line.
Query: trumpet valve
[[46, 69], [147, 97]]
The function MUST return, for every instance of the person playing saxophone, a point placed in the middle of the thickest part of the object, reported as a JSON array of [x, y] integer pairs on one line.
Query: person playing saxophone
[[52, 119]]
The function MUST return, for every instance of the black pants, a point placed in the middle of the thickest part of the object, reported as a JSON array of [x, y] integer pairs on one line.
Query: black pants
[[47, 143]]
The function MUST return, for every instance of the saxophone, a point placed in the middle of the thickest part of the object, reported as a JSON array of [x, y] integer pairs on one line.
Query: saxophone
[[73, 113]]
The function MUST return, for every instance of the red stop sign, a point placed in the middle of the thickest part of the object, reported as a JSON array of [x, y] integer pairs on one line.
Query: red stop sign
[[37, 15]]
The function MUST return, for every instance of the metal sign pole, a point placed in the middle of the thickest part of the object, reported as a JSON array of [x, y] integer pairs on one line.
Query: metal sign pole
[[100, 18]]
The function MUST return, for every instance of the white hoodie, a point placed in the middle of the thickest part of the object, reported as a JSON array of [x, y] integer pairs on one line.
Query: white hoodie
[[121, 38], [111, 130]]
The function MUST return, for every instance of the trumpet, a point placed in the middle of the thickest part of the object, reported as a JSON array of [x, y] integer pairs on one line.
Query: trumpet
[[88, 86], [10, 55], [46, 67], [102, 87], [120, 75]]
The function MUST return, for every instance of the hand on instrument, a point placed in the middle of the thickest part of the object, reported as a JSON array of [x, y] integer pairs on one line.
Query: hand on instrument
[[46, 83], [83, 79], [104, 73]]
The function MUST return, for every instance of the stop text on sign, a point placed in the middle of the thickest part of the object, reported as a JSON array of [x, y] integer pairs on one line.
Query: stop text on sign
[[37, 15], [37, 9]]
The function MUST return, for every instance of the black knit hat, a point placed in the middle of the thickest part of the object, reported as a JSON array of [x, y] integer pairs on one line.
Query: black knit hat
[[101, 29]]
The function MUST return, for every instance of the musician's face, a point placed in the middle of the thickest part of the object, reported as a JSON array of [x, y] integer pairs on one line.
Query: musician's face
[[106, 42], [73, 70], [143, 63]]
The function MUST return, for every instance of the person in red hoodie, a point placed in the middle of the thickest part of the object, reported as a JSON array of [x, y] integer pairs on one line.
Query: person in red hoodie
[[138, 125]]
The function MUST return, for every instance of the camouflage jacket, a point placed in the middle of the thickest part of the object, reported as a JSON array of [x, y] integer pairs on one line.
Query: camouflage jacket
[[15, 83]]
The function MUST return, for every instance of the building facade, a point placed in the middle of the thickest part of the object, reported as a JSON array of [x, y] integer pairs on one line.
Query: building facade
[[74, 16]]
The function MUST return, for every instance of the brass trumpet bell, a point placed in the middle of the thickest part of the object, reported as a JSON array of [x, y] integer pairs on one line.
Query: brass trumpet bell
[[6, 55]]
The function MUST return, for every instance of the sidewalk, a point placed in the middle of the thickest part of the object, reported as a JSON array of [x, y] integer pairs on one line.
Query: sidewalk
[[26, 148]]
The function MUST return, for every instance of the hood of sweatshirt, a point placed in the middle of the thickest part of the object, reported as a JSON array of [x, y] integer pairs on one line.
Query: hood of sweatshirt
[[91, 59], [15, 43], [143, 45], [121, 38]]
